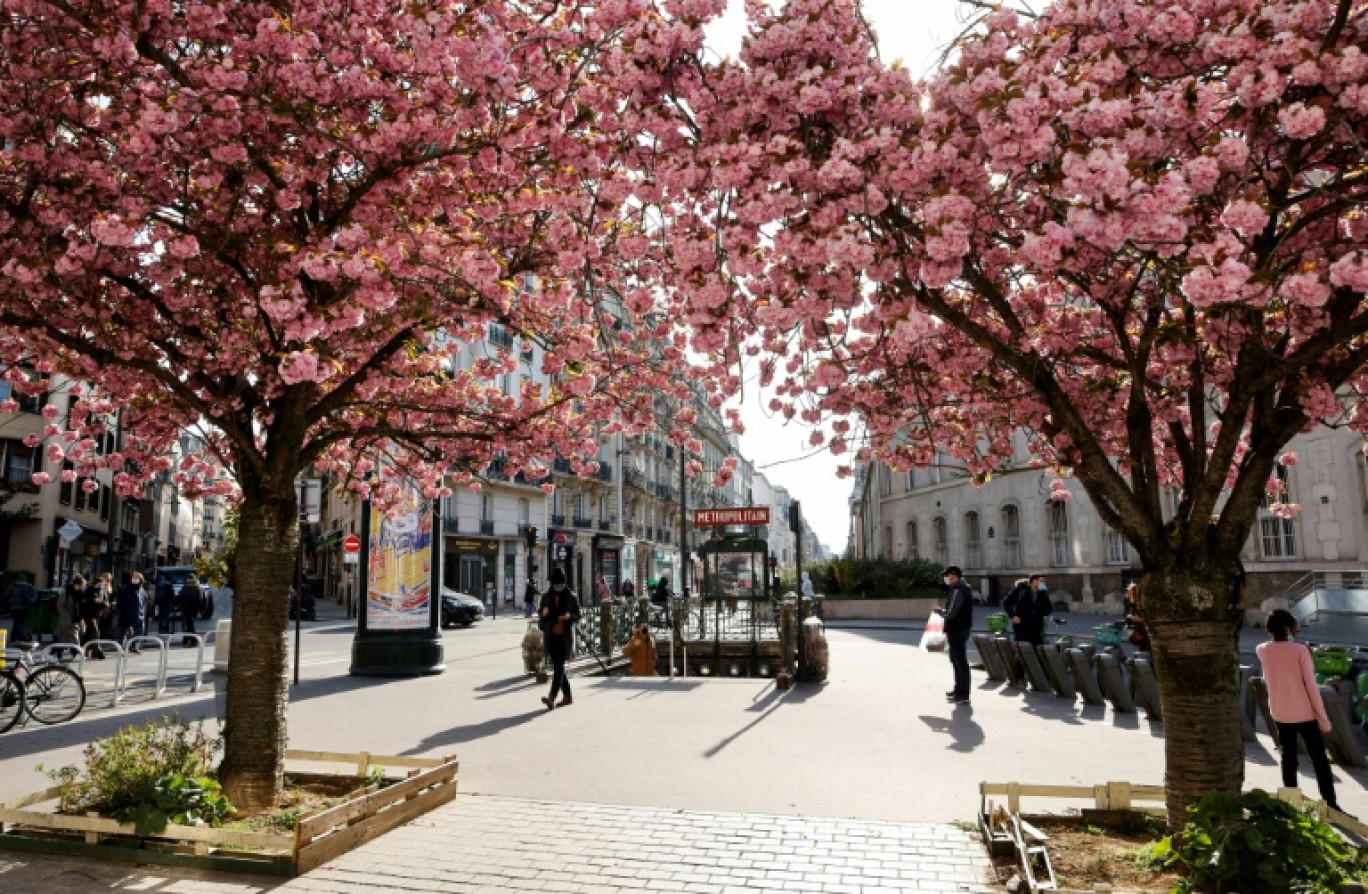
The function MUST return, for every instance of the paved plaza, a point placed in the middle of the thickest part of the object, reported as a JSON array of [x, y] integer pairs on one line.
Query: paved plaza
[[861, 784]]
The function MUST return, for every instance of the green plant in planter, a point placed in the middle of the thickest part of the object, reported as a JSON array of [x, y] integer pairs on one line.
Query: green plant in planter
[[148, 775], [1254, 843]]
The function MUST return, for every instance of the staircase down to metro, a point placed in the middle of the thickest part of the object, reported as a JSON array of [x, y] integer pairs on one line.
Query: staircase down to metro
[[1331, 607]]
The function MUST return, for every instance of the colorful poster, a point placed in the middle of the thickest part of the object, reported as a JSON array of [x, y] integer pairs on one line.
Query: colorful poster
[[399, 576]]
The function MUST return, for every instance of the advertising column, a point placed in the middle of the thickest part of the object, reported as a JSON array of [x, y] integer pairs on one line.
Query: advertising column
[[397, 625]]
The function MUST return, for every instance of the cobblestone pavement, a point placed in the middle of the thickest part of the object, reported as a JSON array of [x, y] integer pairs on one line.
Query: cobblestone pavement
[[484, 844]]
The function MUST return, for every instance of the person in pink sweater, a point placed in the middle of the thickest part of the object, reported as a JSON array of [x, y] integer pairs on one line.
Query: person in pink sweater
[[1295, 702]]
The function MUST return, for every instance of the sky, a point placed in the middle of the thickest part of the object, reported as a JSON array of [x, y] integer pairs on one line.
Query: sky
[[914, 31]]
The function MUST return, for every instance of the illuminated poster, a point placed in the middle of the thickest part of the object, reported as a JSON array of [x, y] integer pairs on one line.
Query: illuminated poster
[[399, 576]]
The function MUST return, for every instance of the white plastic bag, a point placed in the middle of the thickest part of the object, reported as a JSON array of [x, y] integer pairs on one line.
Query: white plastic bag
[[933, 640]]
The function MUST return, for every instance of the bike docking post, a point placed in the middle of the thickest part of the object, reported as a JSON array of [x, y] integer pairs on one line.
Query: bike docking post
[[101, 676], [137, 645], [194, 670]]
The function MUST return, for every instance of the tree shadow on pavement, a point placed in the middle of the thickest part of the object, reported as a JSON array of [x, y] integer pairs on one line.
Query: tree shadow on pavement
[[461, 734], [765, 704], [965, 734]]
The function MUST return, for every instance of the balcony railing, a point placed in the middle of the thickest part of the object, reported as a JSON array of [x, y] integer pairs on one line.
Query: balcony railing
[[558, 520], [605, 525], [605, 471], [634, 478], [451, 525], [486, 527], [582, 522]]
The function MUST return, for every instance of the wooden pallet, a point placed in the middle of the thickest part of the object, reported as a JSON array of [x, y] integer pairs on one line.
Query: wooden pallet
[[318, 837]]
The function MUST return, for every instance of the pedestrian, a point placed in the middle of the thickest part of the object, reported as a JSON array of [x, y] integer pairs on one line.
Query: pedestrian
[[69, 610], [601, 591], [556, 616], [97, 609], [529, 598], [806, 586], [165, 605], [1295, 701], [641, 650], [190, 598], [660, 595], [1028, 605], [21, 597], [959, 618], [129, 609], [628, 591]]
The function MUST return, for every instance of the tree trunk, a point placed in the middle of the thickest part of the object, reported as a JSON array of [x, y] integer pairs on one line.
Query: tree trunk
[[1193, 616], [255, 734]]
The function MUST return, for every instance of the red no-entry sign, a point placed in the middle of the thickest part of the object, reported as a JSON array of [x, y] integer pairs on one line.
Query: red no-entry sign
[[351, 544]]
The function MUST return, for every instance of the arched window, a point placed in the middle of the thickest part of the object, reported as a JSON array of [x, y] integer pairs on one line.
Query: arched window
[[1118, 552], [1011, 537], [1059, 533], [913, 549], [940, 541], [973, 545]]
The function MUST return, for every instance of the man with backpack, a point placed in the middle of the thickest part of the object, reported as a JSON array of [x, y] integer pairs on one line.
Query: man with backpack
[[1028, 605]]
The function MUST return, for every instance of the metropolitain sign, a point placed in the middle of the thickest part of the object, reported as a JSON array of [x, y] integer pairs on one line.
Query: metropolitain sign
[[751, 515]]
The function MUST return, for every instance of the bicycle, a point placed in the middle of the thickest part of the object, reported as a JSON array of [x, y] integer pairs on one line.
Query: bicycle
[[52, 693], [11, 700]]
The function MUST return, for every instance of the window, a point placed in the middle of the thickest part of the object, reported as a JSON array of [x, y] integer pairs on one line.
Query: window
[[523, 513], [105, 496], [486, 507], [887, 542], [1011, 537], [81, 496], [885, 482], [64, 490], [941, 542], [913, 550], [1278, 536], [19, 465], [911, 480], [936, 470], [973, 545], [1118, 551], [1059, 533]]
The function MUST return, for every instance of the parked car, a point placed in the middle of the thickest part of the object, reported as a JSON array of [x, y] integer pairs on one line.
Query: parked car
[[177, 575], [460, 608]]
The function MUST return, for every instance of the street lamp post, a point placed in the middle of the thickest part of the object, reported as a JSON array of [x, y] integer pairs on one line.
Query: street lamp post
[[683, 529]]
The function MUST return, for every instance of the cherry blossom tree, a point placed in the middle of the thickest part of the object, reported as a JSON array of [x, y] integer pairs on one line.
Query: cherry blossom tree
[[1134, 230], [280, 222]]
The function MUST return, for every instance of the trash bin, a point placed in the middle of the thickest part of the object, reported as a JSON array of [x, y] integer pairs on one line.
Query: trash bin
[[42, 618]]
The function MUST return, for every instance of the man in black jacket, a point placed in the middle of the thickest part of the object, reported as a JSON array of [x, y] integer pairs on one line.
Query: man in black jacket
[[959, 618], [556, 616], [1028, 605]]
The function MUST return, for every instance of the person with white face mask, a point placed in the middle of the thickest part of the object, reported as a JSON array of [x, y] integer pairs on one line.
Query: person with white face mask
[[959, 618]]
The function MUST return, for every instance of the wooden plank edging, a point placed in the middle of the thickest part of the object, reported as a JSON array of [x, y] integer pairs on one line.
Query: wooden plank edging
[[316, 853], [371, 760], [310, 827], [41, 820]]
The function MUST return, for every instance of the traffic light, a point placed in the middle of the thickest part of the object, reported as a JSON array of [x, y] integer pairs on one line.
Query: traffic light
[[773, 562], [530, 533]]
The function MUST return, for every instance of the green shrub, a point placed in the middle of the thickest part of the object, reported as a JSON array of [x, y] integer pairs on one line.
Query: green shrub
[[148, 775], [849, 578], [1253, 843]]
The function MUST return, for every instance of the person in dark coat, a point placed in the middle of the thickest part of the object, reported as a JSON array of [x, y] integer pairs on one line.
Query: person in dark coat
[[556, 617], [97, 613], [189, 598], [166, 605], [959, 618], [529, 598], [129, 608], [1028, 605], [21, 598], [628, 591]]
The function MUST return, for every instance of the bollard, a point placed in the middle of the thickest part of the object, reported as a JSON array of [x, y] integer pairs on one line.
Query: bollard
[[816, 655], [223, 633]]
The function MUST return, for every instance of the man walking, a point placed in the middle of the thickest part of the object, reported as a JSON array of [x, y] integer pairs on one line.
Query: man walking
[[557, 615], [959, 618], [1028, 605]]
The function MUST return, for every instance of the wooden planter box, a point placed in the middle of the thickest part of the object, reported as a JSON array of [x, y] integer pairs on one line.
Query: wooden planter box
[[318, 837]]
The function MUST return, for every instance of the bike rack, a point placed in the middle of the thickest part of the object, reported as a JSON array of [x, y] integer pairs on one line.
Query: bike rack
[[1114, 683], [93, 670], [1084, 678], [194, 671], [1146, 686], [1344, 747], [1007, 655], [1248, 707], [159, 678], [1058, 672], [992, 663], [1035, 671]]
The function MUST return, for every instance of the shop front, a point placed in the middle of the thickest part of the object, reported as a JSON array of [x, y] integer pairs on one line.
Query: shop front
[[664, 563], [470, 566], [607, 553]]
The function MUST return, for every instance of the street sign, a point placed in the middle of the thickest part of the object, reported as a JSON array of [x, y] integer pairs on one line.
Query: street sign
[[70, 531], [351, 544], [747, 515]]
